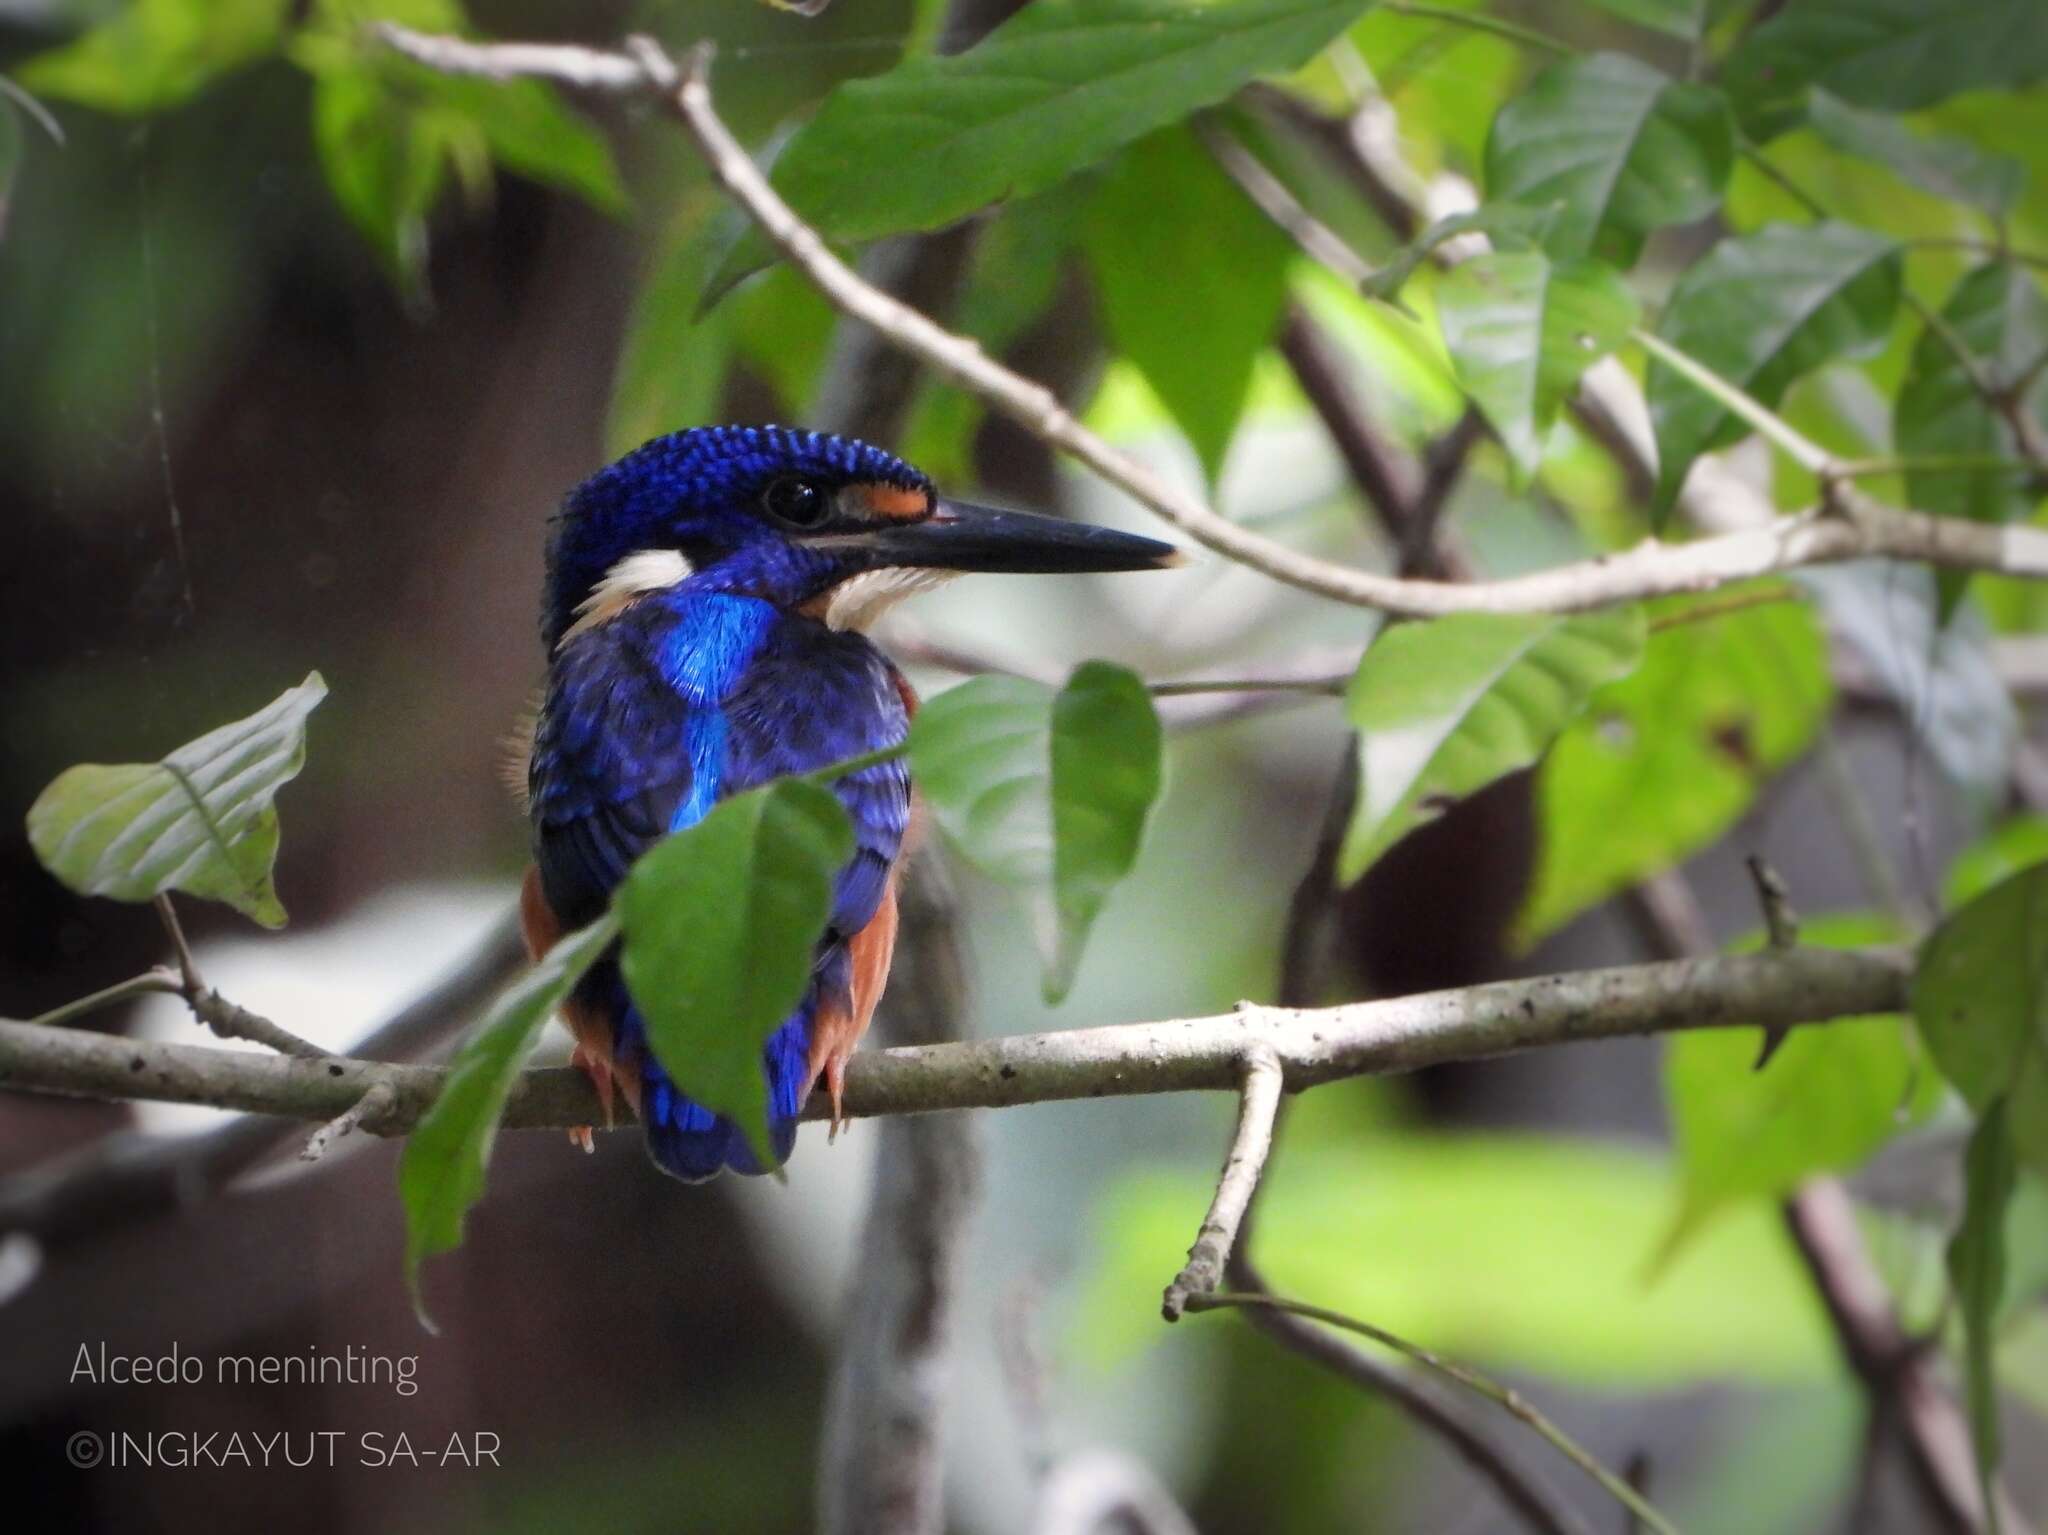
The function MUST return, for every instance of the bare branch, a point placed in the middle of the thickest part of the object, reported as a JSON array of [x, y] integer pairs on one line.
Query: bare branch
[[225, 1018], [1651, 569], [1314, 1045], [1258, 1103], [368, 1112]]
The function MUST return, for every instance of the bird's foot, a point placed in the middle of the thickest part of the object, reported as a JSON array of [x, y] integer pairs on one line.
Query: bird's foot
[[835, 1088], [581, 1135], [599, 1070]]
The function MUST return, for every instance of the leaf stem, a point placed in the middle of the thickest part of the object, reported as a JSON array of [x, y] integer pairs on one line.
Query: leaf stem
[[1479, 21], [1805, 452], [833, 772], [1505, 1397], [158, 981]]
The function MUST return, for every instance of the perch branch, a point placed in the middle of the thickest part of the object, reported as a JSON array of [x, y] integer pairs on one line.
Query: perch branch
[[1650, 569], [1313, 1046]]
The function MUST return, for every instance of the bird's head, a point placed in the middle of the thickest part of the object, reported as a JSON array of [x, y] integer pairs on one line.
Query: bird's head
[[818, 524]]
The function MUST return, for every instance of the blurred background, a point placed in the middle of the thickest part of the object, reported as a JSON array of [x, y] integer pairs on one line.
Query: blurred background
[[254, 424]]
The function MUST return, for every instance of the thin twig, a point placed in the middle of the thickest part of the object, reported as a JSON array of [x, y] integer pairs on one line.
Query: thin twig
[[1651, 569], [1505, 1397], [1258, 1103], [155, 982], [228, 1020], [367, 1112], [1774, 897]]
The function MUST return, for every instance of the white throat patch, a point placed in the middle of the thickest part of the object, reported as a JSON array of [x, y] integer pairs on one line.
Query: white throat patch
[[859, 600], [647, 570]]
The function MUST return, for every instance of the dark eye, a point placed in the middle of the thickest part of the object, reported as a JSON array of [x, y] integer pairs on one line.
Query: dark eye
[[800, 503]]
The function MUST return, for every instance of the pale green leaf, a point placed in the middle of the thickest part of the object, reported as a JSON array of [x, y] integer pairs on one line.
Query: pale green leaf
[[721, 923], [1977, 1270], [441, 1171], [1950, 168], [202, 821], [2014, 844], [1445, 707], [151, 55]]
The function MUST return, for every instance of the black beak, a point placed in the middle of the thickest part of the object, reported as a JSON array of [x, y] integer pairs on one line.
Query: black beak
[[958, 536]]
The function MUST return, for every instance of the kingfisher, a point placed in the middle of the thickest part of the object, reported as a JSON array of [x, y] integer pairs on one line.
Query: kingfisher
[[706, 613]]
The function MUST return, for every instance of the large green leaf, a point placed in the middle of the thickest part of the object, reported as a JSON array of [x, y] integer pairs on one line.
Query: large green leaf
[[1521, 329], [441, 1170], [1950, 168], [1522, 1251], [203, 820], [1761, 311], [154, 54], [1826, 1101], [1047, 792], [1444, 708], [672, 367], [1977, 1271], [1234, 277], [1616, 147], [1999, 318], [1897, 55], [1663, 762], [1675, 18], [721, 924], [2014, 844], [1059, 86], [528, 130], [1981, 996], [385, 164], [1106, 773]]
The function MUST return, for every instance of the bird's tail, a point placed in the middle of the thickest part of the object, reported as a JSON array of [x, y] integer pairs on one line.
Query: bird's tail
[[686, 1139]]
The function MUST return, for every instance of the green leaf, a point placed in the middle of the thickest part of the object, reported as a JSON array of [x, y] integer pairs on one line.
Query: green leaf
[[721, 925], [1981, 997], [1507, 226], [1521, 329], [1521, 1250], [1895, 55], [385, 166], [1999, 318], [154, 54], [1761, 311], [1976, 1269], [671, 370], [12, 142], [1662, 763], [1618, 148], [1044, 792], [1950, 168], [441, 1170], [203, 820], [529, 132], [1444, 708], [2014, 844], [1234, 277], [1106, 773], [1674, 18], [1826, 1101], [1061, 85]]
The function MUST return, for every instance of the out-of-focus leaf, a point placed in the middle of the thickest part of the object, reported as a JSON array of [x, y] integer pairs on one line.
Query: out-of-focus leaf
[[1976, 1268], [1981, 997], [1521, 329], [1054, 89], [1444, 708], [153, 54], [203, 820], [1663, 762], [1044, 791], [1945, 679], [529, 132], [441, 1170], [1152, 277], [1616, 147], [1894, 55], [782, 328], [1826, 1101], [1518, 1251], [672, 367], [1674, 18], [1762, 310], [721, 924], [1508, 226], [1951, 168], [1106, 775], [1999, 317], [2013, 845], [385, 166], [12, 141]]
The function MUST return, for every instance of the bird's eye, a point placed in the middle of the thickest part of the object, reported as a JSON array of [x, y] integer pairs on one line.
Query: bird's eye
[[800, 503]]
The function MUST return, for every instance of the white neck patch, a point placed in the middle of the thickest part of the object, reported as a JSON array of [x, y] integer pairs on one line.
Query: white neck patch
[[859, 600], [647, 570]]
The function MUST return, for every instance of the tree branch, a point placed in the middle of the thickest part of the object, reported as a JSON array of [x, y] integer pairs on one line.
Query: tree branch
[[1259, 1103], [1313, 1045], [1651, 569]]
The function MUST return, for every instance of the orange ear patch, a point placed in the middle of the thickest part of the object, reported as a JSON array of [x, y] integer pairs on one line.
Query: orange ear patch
[[894, 503]]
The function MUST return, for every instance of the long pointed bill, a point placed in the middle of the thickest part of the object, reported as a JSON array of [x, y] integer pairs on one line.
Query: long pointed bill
[[959, 536]]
